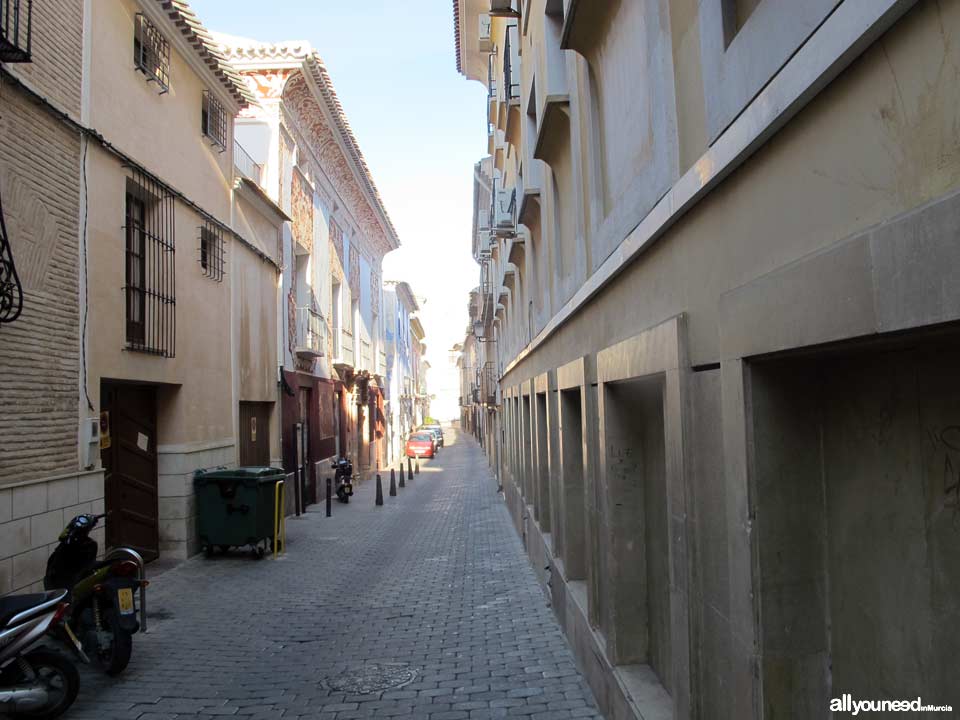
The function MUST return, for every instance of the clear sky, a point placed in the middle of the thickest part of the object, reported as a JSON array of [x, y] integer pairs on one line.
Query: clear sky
[[421, 128]]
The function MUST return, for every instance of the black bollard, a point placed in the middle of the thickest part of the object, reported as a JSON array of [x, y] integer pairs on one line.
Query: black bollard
[[329, 497], [379, 490], [416, 468], [402, 482], [393, 483], [409, 469]]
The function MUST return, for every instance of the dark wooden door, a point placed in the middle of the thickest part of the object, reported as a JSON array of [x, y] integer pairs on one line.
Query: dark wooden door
[[130, 464], [254, 434]]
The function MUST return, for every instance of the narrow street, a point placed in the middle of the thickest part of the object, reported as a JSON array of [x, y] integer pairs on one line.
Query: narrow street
[[423, 608]]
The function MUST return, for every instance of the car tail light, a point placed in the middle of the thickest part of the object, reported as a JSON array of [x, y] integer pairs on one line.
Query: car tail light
[[60, 613], [125, 568]]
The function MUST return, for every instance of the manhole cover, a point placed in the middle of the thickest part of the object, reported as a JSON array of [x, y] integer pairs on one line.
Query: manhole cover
[[372, 678]]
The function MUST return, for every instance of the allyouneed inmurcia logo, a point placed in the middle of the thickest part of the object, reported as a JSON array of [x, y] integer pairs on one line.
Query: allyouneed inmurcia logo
[[846, 704]]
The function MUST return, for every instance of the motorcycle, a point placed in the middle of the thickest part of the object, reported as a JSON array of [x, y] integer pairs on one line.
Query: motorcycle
[[103, 612], [36, 682], [343, 479]]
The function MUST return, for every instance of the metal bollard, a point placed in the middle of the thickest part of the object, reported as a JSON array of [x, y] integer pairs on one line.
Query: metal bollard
[[393, 483], [402, 482], [409, 469], [417, 467], [329, 497], [379, 490]]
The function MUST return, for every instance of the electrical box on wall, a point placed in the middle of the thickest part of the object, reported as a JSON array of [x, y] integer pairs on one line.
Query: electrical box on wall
[[90, 442]]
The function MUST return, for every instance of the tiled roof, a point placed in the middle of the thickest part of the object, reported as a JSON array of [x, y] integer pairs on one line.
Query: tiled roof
[[207, 49], [456, 34]]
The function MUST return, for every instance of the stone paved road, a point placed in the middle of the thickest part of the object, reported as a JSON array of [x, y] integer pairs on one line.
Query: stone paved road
[[433, 589]]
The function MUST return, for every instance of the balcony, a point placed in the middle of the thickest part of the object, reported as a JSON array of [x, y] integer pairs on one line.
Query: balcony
[[511, 66], [366, 356], [311, 334], [246, 165], [488, 385], [16, 20], [504, 8]]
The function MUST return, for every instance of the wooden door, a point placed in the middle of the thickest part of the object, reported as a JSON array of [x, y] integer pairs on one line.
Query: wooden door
[[130, 465], [254, 434]]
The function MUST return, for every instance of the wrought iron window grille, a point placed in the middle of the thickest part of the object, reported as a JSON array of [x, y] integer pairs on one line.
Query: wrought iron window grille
[[16, 21], [212, 251], [213, 121], [151, 53], [150, 266], [11, 291]]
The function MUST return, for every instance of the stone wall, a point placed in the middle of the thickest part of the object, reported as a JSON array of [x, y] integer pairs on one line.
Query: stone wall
[[32, 514]]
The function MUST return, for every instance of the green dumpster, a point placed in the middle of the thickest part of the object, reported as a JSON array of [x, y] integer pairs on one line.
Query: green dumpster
[[236, 507]]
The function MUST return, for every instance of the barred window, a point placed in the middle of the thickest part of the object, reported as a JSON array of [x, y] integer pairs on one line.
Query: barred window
[[213, 120], [151, 52], [150, 289], [212, 250], [16, 20]]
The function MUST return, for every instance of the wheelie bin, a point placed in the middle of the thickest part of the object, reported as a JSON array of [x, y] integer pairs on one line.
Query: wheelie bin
[[236, 507]]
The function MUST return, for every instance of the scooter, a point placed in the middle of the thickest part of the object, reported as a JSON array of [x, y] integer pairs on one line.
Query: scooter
[[36, 682], [343, 479], [103, 612]]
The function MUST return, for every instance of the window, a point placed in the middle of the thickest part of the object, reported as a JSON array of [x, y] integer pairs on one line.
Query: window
[[15, 30], [335, 314], [212, 250], [213, 121], [151, 53], [136, 268], [149, 290]]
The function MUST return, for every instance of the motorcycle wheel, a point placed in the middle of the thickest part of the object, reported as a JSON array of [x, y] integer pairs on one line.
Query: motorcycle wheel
[[115, 657], [61, 679]]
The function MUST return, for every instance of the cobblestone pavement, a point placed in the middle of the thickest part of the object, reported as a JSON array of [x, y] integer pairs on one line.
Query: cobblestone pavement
[[431, 594]]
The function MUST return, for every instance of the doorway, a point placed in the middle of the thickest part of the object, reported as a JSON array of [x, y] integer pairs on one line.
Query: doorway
[[254, 434], [129, 455]]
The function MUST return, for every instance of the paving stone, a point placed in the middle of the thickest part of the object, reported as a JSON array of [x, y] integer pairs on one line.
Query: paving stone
[[432, 591]]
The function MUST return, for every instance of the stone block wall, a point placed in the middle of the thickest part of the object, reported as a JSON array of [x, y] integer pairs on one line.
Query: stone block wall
[[32, 514], [177, 502]]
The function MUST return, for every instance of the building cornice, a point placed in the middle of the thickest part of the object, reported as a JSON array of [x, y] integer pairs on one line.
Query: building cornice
[[251, 57], [320, 78]]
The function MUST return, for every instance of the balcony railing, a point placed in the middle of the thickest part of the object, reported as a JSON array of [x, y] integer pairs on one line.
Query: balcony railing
[[488, 385], [511, 79], [491, 77], [346, 347], [311, 333], [16, 20], [246, 164], [366, 358]]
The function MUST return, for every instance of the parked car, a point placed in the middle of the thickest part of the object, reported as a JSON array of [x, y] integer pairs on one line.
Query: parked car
[[421, 444], [436, 431]]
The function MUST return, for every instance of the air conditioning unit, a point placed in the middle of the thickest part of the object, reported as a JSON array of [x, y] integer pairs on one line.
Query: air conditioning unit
[[504, 8], [505, 213], [486, 42]]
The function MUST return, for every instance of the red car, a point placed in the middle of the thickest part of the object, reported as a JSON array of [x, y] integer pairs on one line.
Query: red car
[[420, 444]]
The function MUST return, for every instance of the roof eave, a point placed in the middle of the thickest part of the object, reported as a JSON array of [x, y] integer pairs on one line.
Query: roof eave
[[202, 51]]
